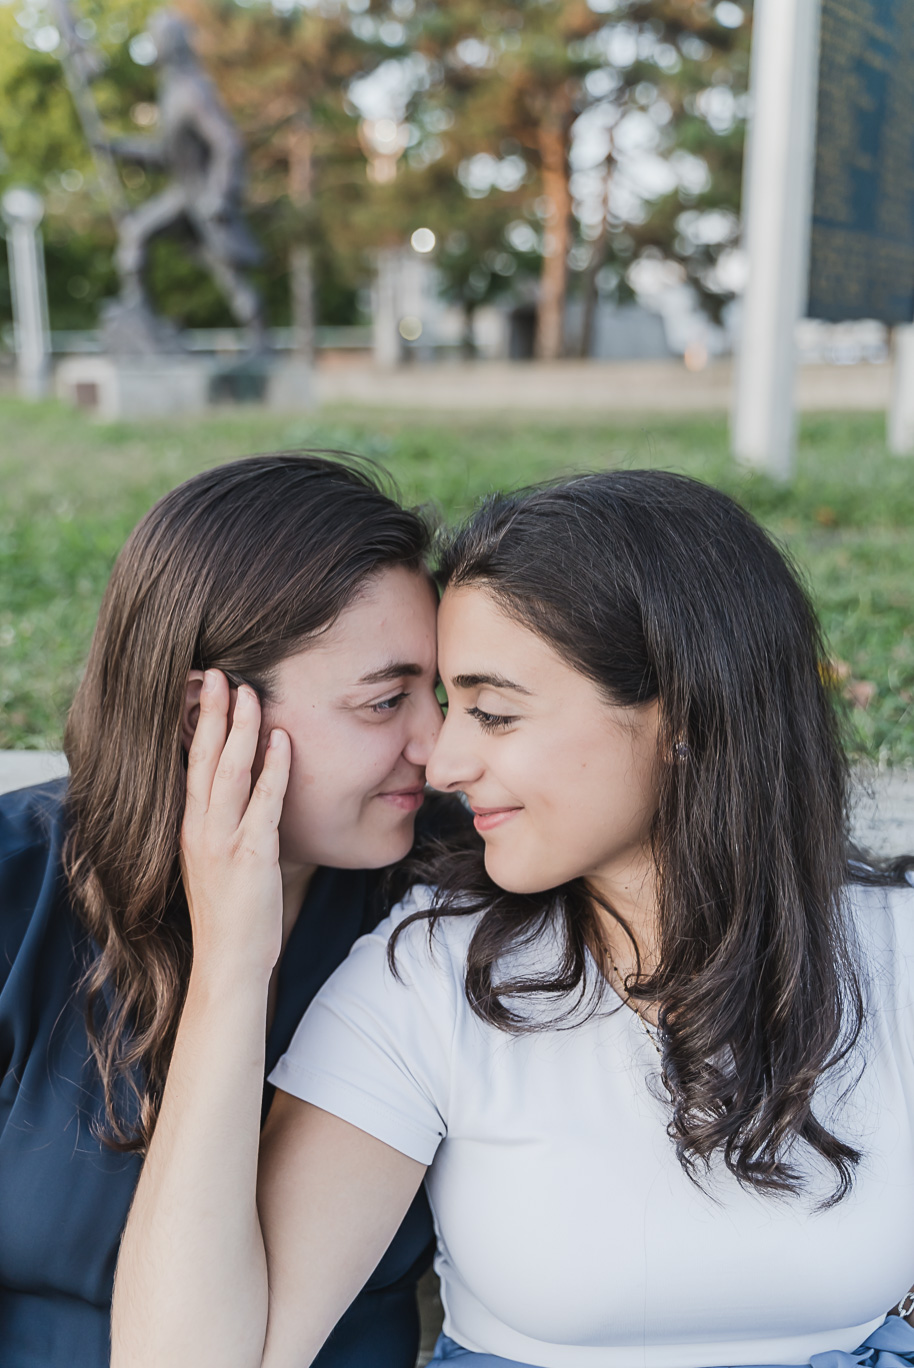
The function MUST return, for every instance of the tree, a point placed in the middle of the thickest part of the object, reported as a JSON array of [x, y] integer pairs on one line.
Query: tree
[[520, 79], [515, 74], [698, 102]]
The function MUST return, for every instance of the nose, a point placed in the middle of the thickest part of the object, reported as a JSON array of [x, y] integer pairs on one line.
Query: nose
[[425, 724], [452, 764]]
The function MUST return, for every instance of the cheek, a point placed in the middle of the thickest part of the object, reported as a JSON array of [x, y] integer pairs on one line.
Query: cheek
[[579, 791], [564, 778], [342, 761]]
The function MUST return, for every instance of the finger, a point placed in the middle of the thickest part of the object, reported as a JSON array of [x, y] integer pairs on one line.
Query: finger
[[231, 788], [208, 741], [265, 808]]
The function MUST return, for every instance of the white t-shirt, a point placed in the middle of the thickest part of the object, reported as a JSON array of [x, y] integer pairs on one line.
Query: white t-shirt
[[568, 1234]]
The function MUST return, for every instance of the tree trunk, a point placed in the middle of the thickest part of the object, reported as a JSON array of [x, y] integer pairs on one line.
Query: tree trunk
[[301, 284], [550, 321], [468, 340], [301, 272], [589, 283]]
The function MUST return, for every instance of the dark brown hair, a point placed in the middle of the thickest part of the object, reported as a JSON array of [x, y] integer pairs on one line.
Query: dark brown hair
[[236, 569], [658, 587]]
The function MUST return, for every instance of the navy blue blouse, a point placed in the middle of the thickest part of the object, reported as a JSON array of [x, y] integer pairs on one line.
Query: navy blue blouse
[[64, 1196]]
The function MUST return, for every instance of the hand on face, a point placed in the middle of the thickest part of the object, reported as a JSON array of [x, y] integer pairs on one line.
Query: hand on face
[[230, 833], [357, 708]]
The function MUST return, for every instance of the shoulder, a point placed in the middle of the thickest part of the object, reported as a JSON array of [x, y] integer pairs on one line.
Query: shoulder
[[882, 913], [30, 818], [31, 836], [417, 946], [882, 918]]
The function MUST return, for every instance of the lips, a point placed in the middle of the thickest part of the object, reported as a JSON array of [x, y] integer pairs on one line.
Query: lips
[[486, 819], [406, 799]]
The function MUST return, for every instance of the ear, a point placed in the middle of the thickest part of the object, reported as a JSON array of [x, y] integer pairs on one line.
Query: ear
[[191, 707]]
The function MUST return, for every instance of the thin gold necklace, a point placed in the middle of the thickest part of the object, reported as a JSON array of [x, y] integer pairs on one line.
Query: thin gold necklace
[[633, 1006]]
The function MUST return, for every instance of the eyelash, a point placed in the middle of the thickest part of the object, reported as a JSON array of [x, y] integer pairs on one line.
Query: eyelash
[[490, 722], [388, 705]]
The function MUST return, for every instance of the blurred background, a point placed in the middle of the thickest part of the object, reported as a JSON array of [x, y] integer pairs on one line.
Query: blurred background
[[558, 179], [498, 241]]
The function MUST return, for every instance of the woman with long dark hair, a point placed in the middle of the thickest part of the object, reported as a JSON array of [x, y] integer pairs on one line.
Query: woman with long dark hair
[[652, 1048], [301, 581]]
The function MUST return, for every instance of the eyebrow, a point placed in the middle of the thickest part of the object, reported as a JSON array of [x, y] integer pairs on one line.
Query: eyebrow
[[395, 670], [476, 681]]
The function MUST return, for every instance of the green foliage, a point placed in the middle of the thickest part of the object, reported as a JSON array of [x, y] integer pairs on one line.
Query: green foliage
[[506, 80], [516, 80], [73, 490]]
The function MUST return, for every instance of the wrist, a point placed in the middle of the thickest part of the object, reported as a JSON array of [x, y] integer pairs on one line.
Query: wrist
[[225, 978]]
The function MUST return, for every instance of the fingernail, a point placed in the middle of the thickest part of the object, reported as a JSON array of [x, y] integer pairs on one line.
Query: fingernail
[[209, 681]]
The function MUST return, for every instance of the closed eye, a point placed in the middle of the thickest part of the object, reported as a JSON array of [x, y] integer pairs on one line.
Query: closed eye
[[490, 721]]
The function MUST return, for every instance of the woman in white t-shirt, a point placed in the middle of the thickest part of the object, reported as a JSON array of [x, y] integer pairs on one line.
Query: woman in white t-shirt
[[652, 1049]]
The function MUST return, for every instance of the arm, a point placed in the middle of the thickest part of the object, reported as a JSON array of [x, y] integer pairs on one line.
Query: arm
[[224, 171], [331, 1200], [146, 151], [192, 1285]]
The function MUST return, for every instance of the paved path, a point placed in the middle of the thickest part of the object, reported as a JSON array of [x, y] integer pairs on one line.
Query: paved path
[[585, 386], [884, 808]]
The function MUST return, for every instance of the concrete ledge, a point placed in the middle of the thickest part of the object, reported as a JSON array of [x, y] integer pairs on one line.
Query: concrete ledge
[[884, 811], [19, 769], [141, 387]]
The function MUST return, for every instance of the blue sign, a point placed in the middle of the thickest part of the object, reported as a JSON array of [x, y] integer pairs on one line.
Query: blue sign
[[862, 261]]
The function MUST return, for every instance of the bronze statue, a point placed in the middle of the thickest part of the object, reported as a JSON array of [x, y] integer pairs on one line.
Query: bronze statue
[[198, 147]]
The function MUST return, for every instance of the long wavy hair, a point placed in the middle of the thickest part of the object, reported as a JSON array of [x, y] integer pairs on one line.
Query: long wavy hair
[[236, 569], [655, 586]]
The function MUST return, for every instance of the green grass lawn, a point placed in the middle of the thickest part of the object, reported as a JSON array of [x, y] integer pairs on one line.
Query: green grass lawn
[[71, 490]]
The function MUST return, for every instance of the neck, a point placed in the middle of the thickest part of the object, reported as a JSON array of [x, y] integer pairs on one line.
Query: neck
[[295, 883], [630, 889], [296, 880]]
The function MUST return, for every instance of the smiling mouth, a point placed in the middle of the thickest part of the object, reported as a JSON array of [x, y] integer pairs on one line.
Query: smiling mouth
[[484, 819], [407, 800]]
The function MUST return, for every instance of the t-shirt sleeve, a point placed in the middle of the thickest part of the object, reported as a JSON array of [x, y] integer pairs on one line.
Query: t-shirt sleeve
[[374, 1048], [900, 909], [885, 926]]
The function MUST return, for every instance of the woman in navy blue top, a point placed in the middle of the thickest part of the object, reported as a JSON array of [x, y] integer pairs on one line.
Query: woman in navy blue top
[[243, 569]]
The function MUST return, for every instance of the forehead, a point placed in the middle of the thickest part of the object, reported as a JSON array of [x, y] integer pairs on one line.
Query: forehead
[[391, 621], [478, 637]]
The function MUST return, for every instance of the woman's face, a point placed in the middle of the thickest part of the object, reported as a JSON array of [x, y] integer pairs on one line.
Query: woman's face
[[359, 706], [563, 784]]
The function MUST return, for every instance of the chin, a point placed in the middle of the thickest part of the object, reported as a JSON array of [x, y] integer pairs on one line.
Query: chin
[[355, 847], [375, 852], [515, 880]]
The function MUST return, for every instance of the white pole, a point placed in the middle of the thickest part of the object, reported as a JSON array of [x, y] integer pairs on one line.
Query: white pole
[[22, 210], [386, 308], [901, 408], [777, 211]]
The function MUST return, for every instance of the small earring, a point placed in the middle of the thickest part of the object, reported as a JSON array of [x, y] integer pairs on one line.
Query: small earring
[[680, 750]]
